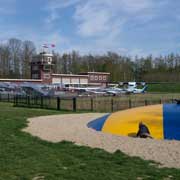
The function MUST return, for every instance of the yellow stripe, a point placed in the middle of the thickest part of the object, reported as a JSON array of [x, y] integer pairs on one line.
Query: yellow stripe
[[126, 122]]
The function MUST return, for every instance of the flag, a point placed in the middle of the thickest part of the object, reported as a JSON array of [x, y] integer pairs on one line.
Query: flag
[[45, 46]]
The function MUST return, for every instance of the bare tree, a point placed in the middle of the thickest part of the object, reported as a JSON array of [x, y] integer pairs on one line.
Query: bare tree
[[4, 61], [15, 47], [28, 51]]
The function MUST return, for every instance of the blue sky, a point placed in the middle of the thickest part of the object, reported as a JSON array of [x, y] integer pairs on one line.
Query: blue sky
[[130, 27]]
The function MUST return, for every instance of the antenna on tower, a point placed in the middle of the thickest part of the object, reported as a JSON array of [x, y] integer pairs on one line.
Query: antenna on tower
[[45, 46]]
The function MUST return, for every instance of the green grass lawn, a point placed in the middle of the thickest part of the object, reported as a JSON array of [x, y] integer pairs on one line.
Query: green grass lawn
[[170, 88], [24, 157]]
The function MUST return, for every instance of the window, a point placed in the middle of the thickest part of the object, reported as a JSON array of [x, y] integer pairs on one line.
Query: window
[[35, 68], [96, 78], [91, 77], [104, 78], [49, 59], [100, 78], [47, 67], [35, 76]]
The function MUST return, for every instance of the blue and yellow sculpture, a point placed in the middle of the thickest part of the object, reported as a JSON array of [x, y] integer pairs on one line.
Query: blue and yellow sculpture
[[163, 121]]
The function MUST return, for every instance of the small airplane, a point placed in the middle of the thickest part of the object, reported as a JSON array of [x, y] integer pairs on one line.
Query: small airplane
[[84, 89], [132, 87], [97, 92], [115, 91], [10, 88], [136, 90], [38, 89]]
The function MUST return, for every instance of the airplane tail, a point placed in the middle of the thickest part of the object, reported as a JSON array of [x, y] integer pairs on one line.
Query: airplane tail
[[144, 89], [51, 92]]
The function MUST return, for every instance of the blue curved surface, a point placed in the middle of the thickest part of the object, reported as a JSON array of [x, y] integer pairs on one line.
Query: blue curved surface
[[171, 122], [97, 124]]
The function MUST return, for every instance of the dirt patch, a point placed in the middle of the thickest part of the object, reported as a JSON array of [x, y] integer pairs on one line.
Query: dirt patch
[[73, 127]]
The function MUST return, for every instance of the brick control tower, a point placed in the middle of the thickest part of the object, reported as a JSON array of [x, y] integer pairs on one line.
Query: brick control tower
[[41, 67]]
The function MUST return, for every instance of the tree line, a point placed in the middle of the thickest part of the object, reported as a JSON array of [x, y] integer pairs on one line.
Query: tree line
[[122, 68], [16, 55]]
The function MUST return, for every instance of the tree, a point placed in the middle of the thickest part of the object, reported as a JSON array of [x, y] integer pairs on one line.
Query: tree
[[4, 61], [28, 51], [15, 47]]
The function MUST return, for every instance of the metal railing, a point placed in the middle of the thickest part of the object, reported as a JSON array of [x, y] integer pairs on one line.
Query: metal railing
[[7, 97], [84, 104]]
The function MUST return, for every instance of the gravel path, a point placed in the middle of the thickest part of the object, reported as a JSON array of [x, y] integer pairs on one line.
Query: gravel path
[[73, 127]]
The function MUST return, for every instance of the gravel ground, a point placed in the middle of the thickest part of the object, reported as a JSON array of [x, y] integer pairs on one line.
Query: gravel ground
[[73, 127]]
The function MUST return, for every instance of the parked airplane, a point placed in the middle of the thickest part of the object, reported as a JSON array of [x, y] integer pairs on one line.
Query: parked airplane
[[84, 89], [38, 89], [103, 91], [115, 91], [97, 92], [132, 88], [136, 90], [10, 88]]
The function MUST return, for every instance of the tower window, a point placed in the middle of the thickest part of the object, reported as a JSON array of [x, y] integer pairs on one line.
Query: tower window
[[35, 68], [47, 67], [49, 59]]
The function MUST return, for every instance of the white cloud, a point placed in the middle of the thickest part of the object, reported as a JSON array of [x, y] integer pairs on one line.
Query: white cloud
[[98, 18], [92, 21], [52, 17], [59, 4], [99, 24], [104, 20], [54, 6], [101, 17], [133, 6]]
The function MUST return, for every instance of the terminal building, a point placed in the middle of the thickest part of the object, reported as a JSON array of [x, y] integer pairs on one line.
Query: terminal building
[[42, 72], [42, 68]]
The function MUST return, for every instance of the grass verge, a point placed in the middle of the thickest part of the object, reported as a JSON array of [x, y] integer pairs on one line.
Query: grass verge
[[23, 157], [164, 88]]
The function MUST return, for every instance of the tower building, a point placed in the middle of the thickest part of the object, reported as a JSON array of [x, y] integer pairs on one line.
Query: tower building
[[42, 67]]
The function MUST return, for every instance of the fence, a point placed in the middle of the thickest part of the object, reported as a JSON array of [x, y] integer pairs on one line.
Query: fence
[[84, 104], [7, 98]]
